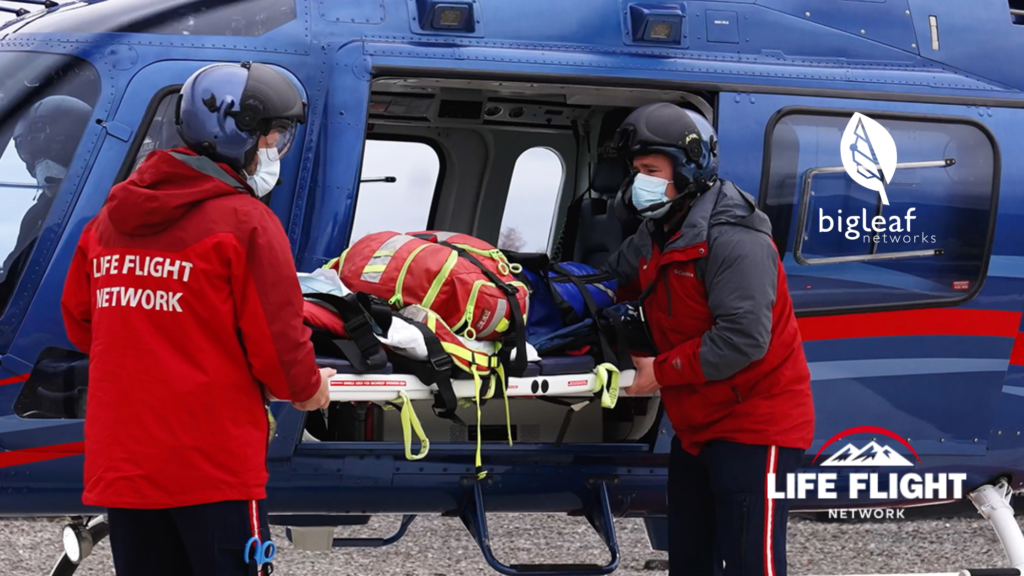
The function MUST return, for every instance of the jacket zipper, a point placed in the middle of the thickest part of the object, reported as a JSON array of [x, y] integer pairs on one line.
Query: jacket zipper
[[668, 296]]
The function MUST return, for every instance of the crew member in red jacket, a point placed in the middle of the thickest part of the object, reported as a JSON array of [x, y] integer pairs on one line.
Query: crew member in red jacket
[[731, 366], [184, 294]]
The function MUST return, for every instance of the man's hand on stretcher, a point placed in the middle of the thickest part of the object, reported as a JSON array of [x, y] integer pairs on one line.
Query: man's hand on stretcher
[[322, 398], [645, 381]]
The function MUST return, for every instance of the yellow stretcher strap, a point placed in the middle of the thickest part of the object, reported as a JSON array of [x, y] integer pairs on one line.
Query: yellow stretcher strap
[[410, 424], [504, 391], [477, 383], [271, 426], [607, 383]]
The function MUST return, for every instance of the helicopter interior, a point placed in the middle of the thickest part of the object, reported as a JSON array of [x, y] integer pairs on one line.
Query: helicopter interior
[[526, 167]]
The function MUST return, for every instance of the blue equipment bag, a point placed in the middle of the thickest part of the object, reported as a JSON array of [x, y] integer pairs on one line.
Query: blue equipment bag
[[566, 302], [569, 280], [557, 298]]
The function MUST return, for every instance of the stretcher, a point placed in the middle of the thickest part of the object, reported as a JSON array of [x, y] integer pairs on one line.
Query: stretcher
[[569, 376]]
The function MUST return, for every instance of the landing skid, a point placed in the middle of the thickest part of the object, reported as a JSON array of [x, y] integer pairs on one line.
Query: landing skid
[[597, 511], [79, 539]]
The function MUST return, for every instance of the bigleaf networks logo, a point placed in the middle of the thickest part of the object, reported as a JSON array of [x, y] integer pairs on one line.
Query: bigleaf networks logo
[[869, 157], [865, 483], [868, 153]]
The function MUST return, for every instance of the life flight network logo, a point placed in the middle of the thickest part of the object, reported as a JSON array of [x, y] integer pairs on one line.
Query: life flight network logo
[[866, 484], [869, 157]]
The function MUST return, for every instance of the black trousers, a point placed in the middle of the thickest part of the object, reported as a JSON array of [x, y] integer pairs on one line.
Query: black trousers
[[203, 540], [719, 511]]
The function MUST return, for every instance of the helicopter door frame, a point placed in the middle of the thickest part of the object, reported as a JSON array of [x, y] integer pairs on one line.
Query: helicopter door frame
[[328, 211]]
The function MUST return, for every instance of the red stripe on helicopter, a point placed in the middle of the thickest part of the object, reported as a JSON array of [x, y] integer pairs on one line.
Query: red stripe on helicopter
[[925, 322], [40, 453], [1017, 355], [14, 380]]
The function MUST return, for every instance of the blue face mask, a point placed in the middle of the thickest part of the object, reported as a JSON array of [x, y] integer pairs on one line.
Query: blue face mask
[[648, 191]]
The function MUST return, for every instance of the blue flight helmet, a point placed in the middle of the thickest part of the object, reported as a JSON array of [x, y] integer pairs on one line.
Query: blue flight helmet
[[50, 130], [684, 136], [224, 109]]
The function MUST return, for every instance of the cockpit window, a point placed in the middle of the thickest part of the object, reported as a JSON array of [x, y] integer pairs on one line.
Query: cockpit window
[[162, 134], [249, 18], [245, 18], [46, 103]]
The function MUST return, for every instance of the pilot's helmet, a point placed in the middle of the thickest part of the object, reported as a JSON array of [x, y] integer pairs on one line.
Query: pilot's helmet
[[685, 136], [226, 110], [47, 135]]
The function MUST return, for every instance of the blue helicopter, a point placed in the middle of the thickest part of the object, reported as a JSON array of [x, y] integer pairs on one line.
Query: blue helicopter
[[909, 295]]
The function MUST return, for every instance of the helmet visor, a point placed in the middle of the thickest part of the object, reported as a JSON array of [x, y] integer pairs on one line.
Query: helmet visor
[[280, 135]]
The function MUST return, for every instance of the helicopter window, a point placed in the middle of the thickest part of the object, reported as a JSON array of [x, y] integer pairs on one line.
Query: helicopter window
[[245, 18], [845, 245], [248, 18], [532, 201], [396, 195], [47, 103], [162, 134]]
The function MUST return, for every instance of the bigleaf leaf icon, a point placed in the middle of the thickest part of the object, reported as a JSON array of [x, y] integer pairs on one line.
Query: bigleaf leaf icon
[[868, 153]]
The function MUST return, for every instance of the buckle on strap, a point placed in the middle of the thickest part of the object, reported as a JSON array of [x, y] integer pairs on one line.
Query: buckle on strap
[[442, 362]]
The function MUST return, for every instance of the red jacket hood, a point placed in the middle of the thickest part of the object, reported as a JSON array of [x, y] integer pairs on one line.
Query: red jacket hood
[[160, 192]]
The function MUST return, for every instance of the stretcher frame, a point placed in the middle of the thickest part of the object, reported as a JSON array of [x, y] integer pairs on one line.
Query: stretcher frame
[[388, 387]]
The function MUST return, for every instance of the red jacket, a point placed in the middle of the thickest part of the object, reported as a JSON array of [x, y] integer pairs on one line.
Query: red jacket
[[732, 363], [184, 294]]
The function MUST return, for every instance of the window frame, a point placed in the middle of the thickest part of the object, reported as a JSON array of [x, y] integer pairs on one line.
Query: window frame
[[140, 135], [557, 215], [997, 168], [438, 185]]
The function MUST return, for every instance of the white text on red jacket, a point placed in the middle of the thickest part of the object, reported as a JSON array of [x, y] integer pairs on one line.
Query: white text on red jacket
[[135, 265]]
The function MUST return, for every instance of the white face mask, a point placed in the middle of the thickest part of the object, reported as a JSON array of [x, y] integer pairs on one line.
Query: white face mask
[[268, 169], [49, 173], [649, 191]]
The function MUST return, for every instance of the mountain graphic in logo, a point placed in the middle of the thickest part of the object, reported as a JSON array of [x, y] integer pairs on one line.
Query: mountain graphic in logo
[[873, 454], [868, 153]]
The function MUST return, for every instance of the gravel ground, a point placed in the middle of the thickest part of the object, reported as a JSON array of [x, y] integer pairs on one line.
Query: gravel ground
[[438, 546]]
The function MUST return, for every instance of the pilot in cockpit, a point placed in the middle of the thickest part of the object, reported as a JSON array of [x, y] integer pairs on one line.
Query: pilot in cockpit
[[46, 139]]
